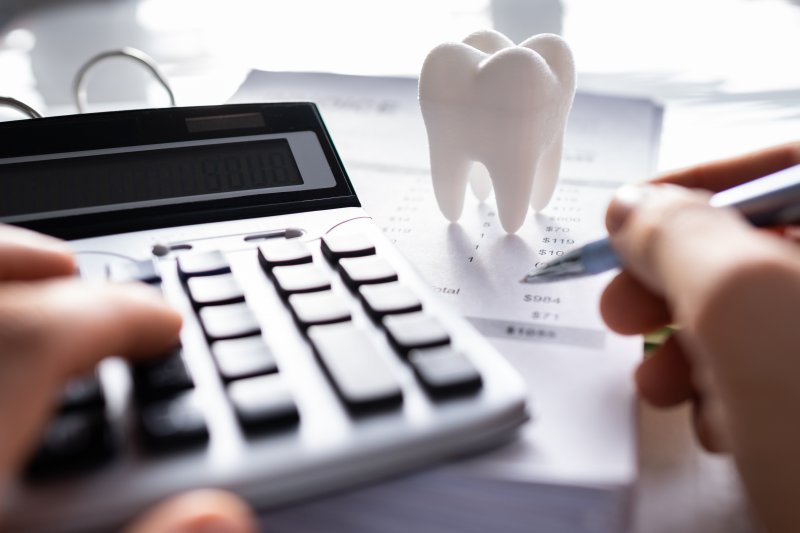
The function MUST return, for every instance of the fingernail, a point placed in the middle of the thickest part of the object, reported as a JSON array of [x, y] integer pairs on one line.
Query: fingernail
[[625, 199]]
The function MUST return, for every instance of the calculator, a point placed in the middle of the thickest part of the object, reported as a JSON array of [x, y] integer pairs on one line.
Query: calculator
[[312, 358]]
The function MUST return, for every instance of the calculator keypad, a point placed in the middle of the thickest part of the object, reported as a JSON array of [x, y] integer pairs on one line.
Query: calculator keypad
[[202, 264], [174, 422], [336, 247], [414, 330], [444, 371], [369, 270], [229, 321], [243, 358], [73, 441], [214, 290], [356, 367], [283, 253], [356, 363], [263, 403], [83, 393], [161, 377], [300, 278], [317, 308], [388, 299]]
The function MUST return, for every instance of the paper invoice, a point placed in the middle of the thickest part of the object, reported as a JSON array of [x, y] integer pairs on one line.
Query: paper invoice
[[574, 466]]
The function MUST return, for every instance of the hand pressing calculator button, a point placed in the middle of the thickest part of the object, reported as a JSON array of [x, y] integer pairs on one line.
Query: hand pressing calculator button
[[312, 359]]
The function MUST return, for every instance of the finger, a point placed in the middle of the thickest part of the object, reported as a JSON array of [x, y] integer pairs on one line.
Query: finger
[[726, 173], [27, 255], [673, 243], [628, 308], [708, 427], [203, 511], [51, 331], [664, 378], [81, 323]]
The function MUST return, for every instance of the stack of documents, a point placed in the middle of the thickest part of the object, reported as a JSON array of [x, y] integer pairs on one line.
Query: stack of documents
[[574, 466]]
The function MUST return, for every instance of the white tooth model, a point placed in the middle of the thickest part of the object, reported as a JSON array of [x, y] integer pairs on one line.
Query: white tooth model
[[489, 101]]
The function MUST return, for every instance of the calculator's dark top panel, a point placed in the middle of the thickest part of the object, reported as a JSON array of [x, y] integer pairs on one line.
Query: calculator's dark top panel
[[34, 167]]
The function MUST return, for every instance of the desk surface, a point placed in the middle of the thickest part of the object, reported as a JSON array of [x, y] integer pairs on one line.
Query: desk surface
[[718, 66]]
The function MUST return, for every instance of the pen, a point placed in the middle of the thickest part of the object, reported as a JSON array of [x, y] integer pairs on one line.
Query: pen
[[767, 201]]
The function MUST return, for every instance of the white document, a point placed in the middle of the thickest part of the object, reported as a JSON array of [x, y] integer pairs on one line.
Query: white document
[[575, 463]]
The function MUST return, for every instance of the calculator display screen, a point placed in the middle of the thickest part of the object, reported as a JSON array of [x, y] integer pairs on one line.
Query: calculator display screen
[[142, 177]]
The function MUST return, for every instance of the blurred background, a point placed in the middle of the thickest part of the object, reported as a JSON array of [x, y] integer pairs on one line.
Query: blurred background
[[726, 69]]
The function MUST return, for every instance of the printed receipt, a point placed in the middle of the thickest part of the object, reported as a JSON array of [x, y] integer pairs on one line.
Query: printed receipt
[[583, 431]]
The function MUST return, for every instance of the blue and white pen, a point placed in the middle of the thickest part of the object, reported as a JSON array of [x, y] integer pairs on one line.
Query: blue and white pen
[[771, 200]]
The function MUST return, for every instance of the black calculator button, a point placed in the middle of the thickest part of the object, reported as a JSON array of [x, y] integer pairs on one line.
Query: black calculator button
[[72, 442], [414, 330], [229, 321], [444, 371], [388, 299], [356, 367], [300, 278], [202, 264], [366, 271], [143, 271], [263, 402], [83, 393], [162, 377], [318, 308], [174, 422], [335, 247], [283, 253], [214, 290], [243, 358]]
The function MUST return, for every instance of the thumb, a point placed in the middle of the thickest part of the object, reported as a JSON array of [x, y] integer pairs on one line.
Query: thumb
[[199, 511]]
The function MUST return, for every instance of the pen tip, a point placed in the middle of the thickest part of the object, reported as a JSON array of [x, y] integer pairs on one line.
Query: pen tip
[[534, 276]]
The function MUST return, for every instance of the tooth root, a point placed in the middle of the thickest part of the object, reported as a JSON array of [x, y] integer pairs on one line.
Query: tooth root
[[511, 207], [546, 177], [449, 171], [511, 193], [479, 181]]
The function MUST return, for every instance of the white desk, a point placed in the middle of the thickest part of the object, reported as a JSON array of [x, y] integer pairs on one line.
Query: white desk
[[719, 66]]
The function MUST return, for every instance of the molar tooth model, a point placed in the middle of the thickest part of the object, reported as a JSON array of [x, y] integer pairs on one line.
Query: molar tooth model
[[486, 100]]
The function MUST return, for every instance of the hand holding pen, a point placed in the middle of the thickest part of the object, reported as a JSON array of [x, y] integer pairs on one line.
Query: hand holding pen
[[767, 201], [735, 291]]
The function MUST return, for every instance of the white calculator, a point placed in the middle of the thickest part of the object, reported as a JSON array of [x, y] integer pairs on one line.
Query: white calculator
[[312, 358]]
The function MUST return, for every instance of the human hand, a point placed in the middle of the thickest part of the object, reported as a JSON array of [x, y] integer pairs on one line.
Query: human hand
[[734, 291], [54, 327]]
